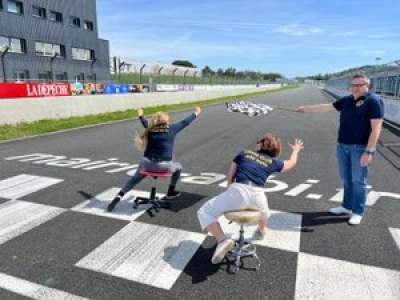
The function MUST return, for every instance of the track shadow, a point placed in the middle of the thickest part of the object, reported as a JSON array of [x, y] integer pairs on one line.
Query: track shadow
[[313, 219]]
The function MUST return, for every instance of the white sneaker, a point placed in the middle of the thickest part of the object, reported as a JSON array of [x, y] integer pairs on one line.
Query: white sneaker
[[222, 248], [355, 219], [340, 210]]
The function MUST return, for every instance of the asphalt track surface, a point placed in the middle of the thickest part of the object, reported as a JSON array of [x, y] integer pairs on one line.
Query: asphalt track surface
[[56, 242]]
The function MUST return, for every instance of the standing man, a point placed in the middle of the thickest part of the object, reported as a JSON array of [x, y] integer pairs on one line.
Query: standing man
[[361, 118]]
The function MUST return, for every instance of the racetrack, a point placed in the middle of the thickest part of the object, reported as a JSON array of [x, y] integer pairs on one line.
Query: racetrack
[[57, 241]]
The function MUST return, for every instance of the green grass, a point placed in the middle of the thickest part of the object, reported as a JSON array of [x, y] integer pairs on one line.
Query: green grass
[[19, 130]]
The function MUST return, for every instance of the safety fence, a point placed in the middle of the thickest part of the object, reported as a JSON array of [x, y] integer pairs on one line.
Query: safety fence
[[386, 84]]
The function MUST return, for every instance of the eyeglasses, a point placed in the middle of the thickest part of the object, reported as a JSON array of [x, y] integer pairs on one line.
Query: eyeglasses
[[358, 84]]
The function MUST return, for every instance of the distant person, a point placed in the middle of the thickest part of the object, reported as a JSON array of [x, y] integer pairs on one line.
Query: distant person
[[158, 140], [361, 118], [246, 177]]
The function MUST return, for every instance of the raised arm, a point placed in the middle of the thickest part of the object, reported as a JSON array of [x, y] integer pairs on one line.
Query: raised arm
[[289, 164], [187, 121], [316, 108], [142, 119], [231, 172]]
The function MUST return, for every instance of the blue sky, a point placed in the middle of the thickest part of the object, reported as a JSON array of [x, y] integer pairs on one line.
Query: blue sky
[[294, 38]]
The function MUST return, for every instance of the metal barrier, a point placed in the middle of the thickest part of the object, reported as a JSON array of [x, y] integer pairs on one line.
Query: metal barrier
[[383, 85]]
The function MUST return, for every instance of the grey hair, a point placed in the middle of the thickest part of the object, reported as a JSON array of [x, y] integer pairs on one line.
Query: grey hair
[[362, 76]]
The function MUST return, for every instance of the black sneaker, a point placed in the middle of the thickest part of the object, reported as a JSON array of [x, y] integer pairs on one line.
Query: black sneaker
[[113, 203], [172, 194]]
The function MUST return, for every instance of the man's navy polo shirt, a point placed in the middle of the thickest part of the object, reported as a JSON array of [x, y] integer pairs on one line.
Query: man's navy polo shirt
[[355, 117]]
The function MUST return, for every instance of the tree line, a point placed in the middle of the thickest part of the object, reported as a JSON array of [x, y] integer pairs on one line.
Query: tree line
[[231, 72]]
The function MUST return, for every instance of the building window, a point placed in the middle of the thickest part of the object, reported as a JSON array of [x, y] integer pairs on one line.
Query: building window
[[44, 76], [46, 49], [83, 54], [88, 25], [62, 76], [15, 7], [75, 22], [16, 45], [21, 75], [39, 12], [80, 77], [55, 16], [92, 77]]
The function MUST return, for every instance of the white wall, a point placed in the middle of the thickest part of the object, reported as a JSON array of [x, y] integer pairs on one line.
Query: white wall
[[13, 111]]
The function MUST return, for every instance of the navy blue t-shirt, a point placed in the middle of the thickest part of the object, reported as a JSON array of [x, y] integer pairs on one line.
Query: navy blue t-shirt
[[161, 139], [355, 117], [255, 167]]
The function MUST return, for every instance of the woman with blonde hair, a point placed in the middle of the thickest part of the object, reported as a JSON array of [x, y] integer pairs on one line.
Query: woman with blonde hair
[[157, 140], [246, 177]]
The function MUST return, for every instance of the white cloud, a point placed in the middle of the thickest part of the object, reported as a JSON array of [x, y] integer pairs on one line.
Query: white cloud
[[373, 52], [346, 34], [298, 30], [380, 36]]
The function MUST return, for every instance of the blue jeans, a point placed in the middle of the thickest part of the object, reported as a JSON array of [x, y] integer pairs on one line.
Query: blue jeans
[[354, 177], [145, 164]]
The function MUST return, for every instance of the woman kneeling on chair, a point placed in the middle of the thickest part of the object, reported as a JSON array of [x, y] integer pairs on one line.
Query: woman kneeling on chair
[[158, 140], [246, 177]]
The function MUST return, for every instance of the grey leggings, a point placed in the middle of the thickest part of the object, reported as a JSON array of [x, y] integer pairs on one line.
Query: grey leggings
[[146, 164]]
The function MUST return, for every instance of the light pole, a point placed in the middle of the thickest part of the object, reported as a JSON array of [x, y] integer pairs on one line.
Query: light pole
[[3, 53], [120, 65], [194, 75], [184, 76], [159, 74], [91, 70], [141, 72], [51, 66], [173, 75]]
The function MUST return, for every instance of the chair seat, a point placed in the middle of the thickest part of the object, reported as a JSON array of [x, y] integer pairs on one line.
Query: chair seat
[[156, 174], [244, 216]]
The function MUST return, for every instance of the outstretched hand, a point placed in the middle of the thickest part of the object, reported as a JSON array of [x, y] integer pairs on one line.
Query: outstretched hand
[[140, 112], [197, 110], [298, 145]]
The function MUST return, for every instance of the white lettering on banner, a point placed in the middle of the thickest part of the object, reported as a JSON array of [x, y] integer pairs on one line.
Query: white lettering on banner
[[205, 178], [272, 185], [41, 90]]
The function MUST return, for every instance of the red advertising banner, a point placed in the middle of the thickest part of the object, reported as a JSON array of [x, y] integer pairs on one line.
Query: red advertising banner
[[18, 90]]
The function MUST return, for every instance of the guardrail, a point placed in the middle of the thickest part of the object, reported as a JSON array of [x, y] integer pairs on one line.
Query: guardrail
[[389, 97]]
